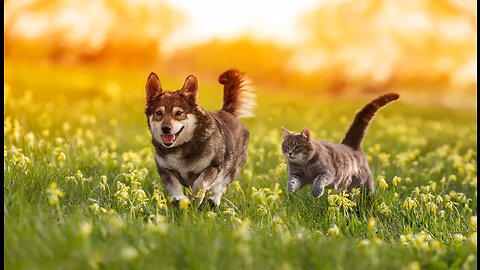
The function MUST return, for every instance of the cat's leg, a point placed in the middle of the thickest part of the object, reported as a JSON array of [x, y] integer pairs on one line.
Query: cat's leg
[[294, 184], [319, 184]]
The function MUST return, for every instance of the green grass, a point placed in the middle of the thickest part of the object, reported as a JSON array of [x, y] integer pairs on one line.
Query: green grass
[[95, 118]]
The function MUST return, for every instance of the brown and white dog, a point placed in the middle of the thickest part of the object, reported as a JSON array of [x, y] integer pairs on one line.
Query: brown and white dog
[[195, 148]]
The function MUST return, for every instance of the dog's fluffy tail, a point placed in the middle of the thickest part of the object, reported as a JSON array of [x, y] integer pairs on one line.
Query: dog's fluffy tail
[[238, 96], [356, 132]]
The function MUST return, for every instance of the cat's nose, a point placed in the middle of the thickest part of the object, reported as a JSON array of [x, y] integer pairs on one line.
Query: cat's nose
[[290, 154]]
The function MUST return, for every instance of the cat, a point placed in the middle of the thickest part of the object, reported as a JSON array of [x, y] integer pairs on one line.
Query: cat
[[331, 165]]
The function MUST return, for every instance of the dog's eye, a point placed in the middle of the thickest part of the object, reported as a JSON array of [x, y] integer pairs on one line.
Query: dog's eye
[[158, 113], [179, 113]]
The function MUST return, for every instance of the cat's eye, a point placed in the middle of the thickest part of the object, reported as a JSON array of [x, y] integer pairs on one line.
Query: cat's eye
[[158, 113]]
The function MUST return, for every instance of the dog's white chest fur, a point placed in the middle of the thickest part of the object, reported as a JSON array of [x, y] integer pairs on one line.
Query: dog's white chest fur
[[177, 163]]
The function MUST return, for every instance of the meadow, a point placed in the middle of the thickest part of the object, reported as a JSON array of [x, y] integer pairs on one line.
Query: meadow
[[81, 190]]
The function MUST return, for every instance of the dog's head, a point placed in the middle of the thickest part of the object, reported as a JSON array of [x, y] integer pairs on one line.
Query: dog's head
[[172, 116]]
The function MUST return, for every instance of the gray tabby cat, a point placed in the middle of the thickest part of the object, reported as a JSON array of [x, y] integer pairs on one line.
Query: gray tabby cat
[[331, 165]]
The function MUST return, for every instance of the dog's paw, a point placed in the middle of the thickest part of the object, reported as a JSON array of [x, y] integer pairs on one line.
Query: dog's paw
[[293, 185], [317, 191], [214, 201], [177, 199]]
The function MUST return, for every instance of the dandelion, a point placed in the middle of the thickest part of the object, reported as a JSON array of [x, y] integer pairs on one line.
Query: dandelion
[[54, 194], [333, 231], [409, 203]]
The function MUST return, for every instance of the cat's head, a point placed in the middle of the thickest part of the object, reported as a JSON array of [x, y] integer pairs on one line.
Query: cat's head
[[296, 147]]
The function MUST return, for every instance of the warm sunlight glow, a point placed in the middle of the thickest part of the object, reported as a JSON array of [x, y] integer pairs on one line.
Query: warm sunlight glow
[[270, 19]]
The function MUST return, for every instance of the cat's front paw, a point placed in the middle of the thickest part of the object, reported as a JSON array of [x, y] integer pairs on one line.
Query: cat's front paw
[[293, 185], [317, 191]]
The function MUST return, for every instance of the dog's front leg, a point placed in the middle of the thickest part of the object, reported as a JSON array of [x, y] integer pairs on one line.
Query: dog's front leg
[[203, 182], [172, 185]]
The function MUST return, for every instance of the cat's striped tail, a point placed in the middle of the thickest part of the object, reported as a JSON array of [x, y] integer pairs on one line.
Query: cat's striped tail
[[357, 130]]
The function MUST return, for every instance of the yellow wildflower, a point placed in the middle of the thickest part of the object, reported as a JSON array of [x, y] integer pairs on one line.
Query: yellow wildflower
[[409, 203], [184, 203], [396, 180], [458, 238], [85, 229], [473, 222], [54, 194], [432, 207], [333, 231], [384, 210], [372, 223], [62, 157], [211, 214], [129, 253]]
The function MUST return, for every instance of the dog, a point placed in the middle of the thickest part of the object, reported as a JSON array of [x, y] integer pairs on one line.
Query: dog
[[204, 150]]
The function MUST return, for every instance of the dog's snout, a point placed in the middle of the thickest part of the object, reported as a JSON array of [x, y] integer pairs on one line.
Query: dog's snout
[[166, 129]]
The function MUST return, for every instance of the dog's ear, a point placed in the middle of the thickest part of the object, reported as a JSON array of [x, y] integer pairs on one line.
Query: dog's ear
[[153, 87], [285, 132], [190, 88], [305, 133]]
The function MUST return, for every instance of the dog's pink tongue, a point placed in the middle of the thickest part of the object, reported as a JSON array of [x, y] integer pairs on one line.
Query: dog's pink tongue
[[168, 138]]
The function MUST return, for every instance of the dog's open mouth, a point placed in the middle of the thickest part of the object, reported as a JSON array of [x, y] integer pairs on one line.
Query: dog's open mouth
[[169, 139]]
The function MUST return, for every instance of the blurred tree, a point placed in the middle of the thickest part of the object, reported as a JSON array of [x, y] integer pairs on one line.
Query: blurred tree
[[380, 43], [264, 61], [89, 30]]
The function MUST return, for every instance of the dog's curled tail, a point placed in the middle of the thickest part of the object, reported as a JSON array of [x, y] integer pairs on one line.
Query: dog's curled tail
[[356, 132], [238, 96]]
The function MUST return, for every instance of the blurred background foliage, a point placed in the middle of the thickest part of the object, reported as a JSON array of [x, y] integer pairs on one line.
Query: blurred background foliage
[[424, 49]]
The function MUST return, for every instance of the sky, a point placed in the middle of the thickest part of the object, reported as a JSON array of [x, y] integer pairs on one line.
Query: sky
[[265, 19]]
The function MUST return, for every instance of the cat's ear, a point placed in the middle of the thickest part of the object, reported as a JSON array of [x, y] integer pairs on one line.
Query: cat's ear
[[305, 133], [285, 132]]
